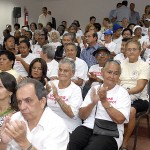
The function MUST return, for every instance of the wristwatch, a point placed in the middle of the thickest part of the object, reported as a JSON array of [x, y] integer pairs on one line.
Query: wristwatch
[[110, 106]]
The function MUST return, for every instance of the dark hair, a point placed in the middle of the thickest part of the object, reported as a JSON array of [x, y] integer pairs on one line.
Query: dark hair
[[92, 17], [125, 3], [40, 91], [10, 84], [44, 69], [34, 25], [127, 29], [126, 39], [9, 55], [97, 26], [30, 34], [6, 38], [44, 8], [118, 4], [131, 25], [26, 42], [17, 24], [77, 22]]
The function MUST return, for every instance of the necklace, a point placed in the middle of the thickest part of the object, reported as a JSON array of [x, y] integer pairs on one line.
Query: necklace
[[3, 114], [6, 112]]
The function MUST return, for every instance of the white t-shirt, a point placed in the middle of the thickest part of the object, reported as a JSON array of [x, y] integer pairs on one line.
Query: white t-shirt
[[36, 50], [119, 57], [81, 69], [131, 72], [52, 68], [72, 96], [96, 69], [50, 132], [54, 45], [111, 47], [119, 98], [20, 68]]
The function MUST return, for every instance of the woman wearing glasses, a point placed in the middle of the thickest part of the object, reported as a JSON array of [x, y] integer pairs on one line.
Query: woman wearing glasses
[[134, 77]]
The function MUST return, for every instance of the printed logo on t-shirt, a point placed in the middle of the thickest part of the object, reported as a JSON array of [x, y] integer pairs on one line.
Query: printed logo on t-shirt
[[111, 100], [52, 98]]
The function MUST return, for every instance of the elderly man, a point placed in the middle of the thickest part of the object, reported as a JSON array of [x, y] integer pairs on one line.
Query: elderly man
[[107, 102], [81, 69], [35, 126], [60, 52]]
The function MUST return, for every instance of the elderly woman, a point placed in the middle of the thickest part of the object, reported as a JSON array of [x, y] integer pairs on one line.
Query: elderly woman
[[38, 70], [134, 77], [7, 60], [65, 96], [54, 39], [109, 102], [8, 104], [48, 54]]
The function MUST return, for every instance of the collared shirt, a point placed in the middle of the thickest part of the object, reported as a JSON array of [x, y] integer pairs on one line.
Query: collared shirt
[[50, 133], [135, 17], [44, 19], [122, 12], [87, 55]]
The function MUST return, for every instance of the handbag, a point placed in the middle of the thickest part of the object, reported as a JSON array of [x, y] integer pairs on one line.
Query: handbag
[[105, 127]]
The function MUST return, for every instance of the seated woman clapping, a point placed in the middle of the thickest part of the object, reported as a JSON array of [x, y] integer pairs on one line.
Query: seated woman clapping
[[65, 96]]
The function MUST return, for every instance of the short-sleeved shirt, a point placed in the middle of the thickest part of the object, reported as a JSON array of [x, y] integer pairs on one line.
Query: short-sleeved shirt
[[119, 98], [72, 96]]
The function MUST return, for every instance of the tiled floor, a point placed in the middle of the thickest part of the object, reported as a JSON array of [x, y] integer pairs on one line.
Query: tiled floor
[[143, 143]]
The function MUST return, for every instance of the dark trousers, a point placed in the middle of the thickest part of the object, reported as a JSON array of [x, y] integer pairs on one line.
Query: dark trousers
[[83, 139]]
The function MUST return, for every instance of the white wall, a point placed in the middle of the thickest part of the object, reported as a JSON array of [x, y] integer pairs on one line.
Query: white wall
[[62, 10], [82, 9], [6, 11]]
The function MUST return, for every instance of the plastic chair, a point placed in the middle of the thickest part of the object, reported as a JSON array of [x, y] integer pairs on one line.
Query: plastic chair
[[139, 116]]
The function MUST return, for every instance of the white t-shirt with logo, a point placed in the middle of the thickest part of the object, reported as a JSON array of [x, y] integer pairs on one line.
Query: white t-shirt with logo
[[131, 73], [119, 98], [72, 96]]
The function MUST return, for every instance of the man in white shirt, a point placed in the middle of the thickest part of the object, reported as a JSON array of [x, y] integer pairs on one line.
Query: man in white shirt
[[44, 18], [35, 126], [81, 68]]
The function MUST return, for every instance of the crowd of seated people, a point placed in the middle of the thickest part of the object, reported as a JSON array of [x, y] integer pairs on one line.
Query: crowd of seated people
[[101, 71]]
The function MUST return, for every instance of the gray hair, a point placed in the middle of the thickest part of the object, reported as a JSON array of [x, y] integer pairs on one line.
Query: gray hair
[[40, 90], [47, 49], [72, 36], [69, 61], [114, 62], [71, 44]]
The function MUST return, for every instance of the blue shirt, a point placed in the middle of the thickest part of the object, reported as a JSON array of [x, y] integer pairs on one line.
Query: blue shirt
[[87, 55]]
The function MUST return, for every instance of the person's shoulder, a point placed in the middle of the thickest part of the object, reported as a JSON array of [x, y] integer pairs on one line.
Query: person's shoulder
[[143, 63], [80, 61], [74, 86], [17, 116]]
